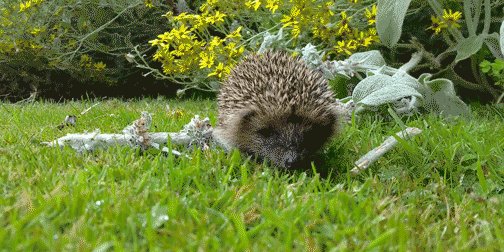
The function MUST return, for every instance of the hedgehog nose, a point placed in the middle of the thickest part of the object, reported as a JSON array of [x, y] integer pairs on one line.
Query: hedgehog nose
[[290, 160]]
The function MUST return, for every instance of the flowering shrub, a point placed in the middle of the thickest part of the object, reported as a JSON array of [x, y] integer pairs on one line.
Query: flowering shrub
[[203, 45], [204, 52], [51, 46], [197, 43]]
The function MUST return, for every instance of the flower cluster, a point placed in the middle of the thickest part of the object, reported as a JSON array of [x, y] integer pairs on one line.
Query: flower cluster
[[353, 38], [449, 19], [148, 4], [198, 42], [23, 6], [204, 45], [17, 30], [87, 62], [318, 19]]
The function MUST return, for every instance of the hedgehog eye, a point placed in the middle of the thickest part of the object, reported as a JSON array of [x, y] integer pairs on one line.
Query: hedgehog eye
[[265, 132], [315, 134], [295, 119]]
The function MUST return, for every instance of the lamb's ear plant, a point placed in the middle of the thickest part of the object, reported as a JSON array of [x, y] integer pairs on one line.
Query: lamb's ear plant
[[384, 85], [463, 44]]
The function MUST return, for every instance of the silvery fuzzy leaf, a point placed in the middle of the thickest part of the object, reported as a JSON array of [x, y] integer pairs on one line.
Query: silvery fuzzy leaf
[[381, 89], [389, 20], [182, 6], [502, 37], [311, 56], [469, 46], [371, 58], [271, 41], [492, 41], [440, 97]]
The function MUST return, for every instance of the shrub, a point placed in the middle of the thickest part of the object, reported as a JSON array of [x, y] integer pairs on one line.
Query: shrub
[[454, 37], [203, 44], [52, 46], [450, 48]]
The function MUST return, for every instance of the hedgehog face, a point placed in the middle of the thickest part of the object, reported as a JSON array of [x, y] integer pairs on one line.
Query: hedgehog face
[[287, 141]]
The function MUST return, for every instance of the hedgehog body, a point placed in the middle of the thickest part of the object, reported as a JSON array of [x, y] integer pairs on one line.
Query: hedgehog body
[[274, 107]]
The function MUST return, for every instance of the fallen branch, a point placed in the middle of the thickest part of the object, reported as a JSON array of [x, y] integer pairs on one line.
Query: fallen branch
[[196, 133], [365, 161]]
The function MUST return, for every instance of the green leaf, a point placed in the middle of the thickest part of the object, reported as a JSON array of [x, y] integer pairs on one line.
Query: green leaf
[[485, 66], [389, 20], [481, 176], [469, 46]]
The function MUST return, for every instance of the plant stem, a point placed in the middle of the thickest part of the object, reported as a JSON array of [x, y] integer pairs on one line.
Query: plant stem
[[451, 74], [488, 17]]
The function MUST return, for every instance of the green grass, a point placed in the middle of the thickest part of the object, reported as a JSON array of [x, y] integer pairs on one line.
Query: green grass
[[444, 190]]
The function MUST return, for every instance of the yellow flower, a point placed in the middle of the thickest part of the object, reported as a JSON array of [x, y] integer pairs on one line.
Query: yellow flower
[[148, 3], [343, 29], [200, 22], [207, 60], [99, 66], [24, 6], [373, 34], [371, 15], [35, 46], [295, 12], [286, 20], [35, 31], [354, 1], [253, 4], [296, 30], [364, 39], [165, 37], [235, 34], [182, 16], [219, 71], [451, 18], [215, 42], [212, 2], [437, 25], [272, 5], [154, 42], [85, 60], [158, 55], [346, 47], [177, 113], [182, 66], [181, 33], [233, 51], [217, 17], [343, 24]]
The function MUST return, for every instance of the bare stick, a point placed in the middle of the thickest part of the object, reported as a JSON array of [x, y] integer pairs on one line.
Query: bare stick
[[197, 132], [365, 161]]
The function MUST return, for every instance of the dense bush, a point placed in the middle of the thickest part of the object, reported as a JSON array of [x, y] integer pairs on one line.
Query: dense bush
[[204, 43], [53, 47], [453, 37]]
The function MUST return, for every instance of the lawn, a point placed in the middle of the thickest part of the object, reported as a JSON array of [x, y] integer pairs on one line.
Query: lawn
[[443, 190]]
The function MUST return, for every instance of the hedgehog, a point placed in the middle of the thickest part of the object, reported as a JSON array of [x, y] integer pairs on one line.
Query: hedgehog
[[274, 107]]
